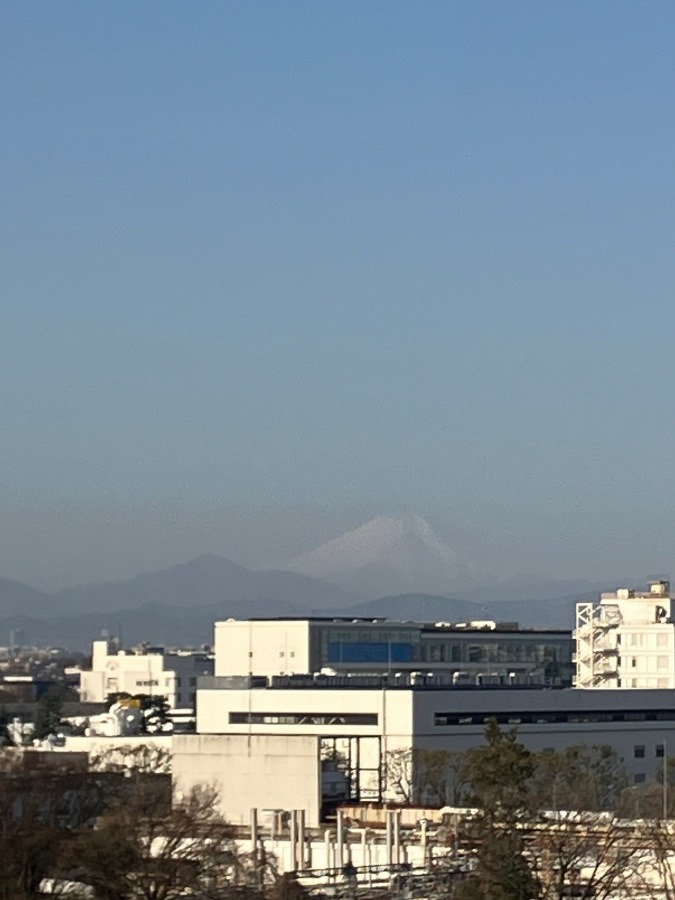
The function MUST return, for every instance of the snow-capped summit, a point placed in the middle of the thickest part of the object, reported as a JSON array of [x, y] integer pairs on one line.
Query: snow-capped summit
[[386, 556]]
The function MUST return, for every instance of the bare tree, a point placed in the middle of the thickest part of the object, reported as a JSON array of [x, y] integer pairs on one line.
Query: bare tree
[[44, 800], [132, 759], [657, 855], [398, 770], [584, 855], [142, 849], [440, 776]]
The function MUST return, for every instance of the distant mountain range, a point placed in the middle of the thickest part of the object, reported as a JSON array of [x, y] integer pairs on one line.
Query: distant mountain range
[[413, 574]]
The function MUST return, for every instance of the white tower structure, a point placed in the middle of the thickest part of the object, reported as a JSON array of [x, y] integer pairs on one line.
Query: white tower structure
[[627, 641]]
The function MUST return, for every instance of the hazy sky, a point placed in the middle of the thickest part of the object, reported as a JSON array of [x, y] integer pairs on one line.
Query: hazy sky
[[272, 268]]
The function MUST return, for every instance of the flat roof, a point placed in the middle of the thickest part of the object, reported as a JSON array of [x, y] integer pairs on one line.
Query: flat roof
[[425, 627]]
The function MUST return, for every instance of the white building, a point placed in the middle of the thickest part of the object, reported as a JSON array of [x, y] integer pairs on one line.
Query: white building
[[627, 640], [299, 742], [144, 670], [274, 732], [290, 646]]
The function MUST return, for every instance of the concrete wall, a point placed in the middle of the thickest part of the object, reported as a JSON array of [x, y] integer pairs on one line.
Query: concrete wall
[[264, 648], [263, 771], [393, 710], [636, 742]]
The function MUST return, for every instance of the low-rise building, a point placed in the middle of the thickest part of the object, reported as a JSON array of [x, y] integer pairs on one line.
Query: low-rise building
[[144, 670]]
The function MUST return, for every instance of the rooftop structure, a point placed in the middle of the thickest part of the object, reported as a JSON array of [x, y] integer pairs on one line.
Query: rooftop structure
[[463, 652]]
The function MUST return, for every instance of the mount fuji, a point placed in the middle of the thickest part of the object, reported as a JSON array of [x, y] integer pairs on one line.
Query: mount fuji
[[387, 556]]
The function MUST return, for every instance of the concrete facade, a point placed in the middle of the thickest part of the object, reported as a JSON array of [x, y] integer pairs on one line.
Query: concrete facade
[[251, 771], [485, 650], [286, 746], [627, 640], [144, 671]]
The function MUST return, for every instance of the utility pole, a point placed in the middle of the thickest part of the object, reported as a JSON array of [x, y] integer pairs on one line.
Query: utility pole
[[665, 778]]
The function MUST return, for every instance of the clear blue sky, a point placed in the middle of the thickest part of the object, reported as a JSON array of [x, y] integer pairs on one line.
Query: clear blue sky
[[272, 268]]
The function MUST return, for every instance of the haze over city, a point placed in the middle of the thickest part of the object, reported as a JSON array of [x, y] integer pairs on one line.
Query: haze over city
[[271, 271]]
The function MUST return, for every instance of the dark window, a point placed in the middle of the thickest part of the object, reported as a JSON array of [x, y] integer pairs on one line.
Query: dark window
[[550, 717], [640, 778], [639, 751], [659, 751], [368, 652], [286, 718]]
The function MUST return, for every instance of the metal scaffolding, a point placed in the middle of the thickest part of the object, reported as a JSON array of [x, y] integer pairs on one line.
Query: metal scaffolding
[[597, 651]]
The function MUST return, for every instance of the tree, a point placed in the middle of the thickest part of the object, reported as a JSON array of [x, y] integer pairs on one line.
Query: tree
[[48, 712], [498, 776], [44, 800], [582, 854], [439, 776], [142, 849], [581, 777], [398, 766], [132, 760]]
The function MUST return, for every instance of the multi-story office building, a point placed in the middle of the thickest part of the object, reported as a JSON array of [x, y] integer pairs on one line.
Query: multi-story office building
[[463, 653], [627, 640], [144, 670]]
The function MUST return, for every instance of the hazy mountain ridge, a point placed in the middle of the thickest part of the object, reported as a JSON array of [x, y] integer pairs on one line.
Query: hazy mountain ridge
[[208, 579], [394, 566]]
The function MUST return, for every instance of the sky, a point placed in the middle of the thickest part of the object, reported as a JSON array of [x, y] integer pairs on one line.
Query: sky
[[270, 269]]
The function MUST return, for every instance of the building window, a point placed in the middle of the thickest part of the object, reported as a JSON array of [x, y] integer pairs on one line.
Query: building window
[[286, 718], [658, 752], [640, 778], [639, 751], [368, 652], [445, 719]]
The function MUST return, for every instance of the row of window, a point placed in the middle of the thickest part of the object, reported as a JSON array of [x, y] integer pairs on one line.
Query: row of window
[[638, 640], [360, 652], [279, 718], [545, 718], [446, 651], [640, 751]]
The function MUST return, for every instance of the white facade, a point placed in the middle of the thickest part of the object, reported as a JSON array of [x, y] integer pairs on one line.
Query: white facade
[[170, 675], [269, 647], [290, 732], [627, 641], [484, 649]]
